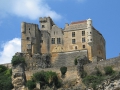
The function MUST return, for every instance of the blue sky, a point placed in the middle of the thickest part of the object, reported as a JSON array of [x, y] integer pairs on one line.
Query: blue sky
[[105, 15]]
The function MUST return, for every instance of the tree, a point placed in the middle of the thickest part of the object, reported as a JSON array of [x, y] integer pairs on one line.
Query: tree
[[109, 70], [2, 68], [5, 78], [31, 84], [75, 61], [63, 70], [17, 60], [47, 77]]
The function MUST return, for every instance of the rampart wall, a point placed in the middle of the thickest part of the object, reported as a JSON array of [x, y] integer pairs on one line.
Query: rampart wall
[[71, 73], [67, 58], [114, 62], [8, 65]]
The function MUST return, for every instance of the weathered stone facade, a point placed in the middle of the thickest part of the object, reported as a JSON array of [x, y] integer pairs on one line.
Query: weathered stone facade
[[50, 39]]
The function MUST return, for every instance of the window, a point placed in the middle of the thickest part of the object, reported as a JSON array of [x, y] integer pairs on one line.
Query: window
[[83, 46], [83, 39], [27, 38], [58, 41], [75, 47], [73, 41], [28, 46], [83, 33], [73, 34], [43, 26], [41, 41], [53, 41], [41, 35]]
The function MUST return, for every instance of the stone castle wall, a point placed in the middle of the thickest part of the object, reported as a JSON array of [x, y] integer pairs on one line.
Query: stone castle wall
[[67, 58], [70, 70], [8, 65], [114, 62]]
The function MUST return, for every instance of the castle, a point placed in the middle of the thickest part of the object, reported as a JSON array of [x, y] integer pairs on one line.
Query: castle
[[64, 45]]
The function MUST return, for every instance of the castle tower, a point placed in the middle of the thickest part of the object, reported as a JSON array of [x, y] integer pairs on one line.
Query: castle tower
[[30, 39], [46, 23]]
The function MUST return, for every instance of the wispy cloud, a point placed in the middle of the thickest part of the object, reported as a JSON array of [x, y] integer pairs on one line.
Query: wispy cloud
[[9, 49], [32, 9]]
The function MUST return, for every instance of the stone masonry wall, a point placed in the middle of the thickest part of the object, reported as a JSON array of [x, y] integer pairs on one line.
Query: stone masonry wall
[[67, 58], [71, 73], [114, 62]]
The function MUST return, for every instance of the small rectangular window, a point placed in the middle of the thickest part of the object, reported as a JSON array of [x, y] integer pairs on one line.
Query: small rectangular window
[[58, 41], [41, 41], [27, 38], [53, 40], [73, 41], [73, 34], [83, 40], [83, 33], [41, 35], [83, 46], [43, 26], [75, 47]]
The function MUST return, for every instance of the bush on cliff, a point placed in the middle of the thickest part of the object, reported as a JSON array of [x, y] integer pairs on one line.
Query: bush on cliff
[[108, 70], [5, 78], [93, 80], [47, 77], [75, 61], [2, 68], [31, 84], [63, 70], [17, 60], [98, 72]]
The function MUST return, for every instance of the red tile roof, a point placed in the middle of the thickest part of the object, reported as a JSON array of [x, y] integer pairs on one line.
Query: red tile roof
[[79, 22]]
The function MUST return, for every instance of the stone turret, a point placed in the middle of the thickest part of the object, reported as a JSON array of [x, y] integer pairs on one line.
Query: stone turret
[[89, 32]]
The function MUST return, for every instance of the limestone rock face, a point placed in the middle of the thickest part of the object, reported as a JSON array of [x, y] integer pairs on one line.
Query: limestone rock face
[[18, 77], [81, 62]]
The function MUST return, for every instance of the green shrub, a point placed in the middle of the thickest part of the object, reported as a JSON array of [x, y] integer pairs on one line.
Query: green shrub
[[108, 70], [63, 70], [47, 77], [17, 60], [2, 68], [83, 74], [98, 72], [5, 78], [93, 80], [75, 61], [30, 84]]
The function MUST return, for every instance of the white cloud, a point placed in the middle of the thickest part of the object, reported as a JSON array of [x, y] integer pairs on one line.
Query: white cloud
[[32, 9], [9, 49]]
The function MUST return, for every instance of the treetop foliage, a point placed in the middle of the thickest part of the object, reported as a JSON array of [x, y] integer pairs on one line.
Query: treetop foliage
[[17, 60]]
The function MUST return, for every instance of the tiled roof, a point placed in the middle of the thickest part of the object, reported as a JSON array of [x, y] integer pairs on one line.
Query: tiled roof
[[79, 22]]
